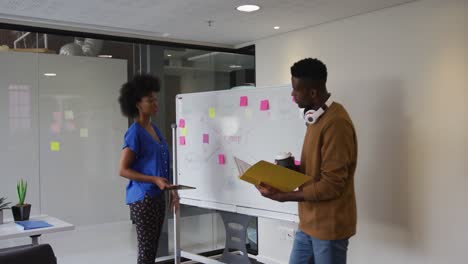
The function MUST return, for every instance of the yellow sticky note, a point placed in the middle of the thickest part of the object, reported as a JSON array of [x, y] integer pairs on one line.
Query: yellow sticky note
[[212, 112], [183, 131], [55, 146]]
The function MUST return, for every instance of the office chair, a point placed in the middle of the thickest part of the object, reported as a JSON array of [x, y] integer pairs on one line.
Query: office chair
[[37, 254]]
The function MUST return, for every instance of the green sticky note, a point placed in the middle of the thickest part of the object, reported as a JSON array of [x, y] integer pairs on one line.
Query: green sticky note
[[55, 146], [212, 112], [183, 131]]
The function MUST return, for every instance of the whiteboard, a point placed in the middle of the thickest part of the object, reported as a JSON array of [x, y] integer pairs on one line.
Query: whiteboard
[[247, 132]]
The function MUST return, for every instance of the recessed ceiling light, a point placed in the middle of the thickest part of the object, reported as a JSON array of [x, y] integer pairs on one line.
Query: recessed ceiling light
[[235, 66], [248, 8], [276, 27], [105, 56], [50, 74], [169, 55]]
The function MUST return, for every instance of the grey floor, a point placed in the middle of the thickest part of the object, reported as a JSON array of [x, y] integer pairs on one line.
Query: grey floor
[[104, 244], [201, 231]]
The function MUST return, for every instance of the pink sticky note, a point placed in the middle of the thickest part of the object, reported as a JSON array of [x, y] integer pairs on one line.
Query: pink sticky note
[[206, 138], [244, 101], [57, 116], [181, 123], [221, 159], [70, 125], [264, 105], [55, 128], [297, 162], [182, 140]]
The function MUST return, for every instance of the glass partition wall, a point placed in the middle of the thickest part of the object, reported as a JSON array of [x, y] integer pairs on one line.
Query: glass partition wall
[[62, 131]]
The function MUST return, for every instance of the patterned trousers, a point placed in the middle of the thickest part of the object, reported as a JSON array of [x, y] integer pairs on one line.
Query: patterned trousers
[[148, 216]]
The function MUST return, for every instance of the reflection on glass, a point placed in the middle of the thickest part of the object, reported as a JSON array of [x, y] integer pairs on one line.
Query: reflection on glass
[[70, 126], [55, 127], [57, 116], [20, 107]]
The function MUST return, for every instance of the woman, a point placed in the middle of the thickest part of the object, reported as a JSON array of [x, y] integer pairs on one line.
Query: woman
[[145, 162]]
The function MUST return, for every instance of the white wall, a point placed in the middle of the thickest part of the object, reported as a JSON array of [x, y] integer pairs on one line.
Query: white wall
[[401, 74]]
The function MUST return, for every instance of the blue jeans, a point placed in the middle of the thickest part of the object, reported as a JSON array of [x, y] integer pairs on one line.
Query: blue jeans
[[309, 250]]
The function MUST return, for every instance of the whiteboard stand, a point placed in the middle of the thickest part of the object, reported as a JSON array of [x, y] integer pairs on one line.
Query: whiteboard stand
[[176, 216]]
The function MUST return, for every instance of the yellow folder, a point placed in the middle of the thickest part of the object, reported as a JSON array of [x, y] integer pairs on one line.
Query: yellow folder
[[281, 178]]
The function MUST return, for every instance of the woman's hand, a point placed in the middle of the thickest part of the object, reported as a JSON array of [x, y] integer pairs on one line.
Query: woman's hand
[[161, 182], [175, 200]]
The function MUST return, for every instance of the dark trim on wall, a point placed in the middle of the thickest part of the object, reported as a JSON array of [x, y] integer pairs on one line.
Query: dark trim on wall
[[249, 50]]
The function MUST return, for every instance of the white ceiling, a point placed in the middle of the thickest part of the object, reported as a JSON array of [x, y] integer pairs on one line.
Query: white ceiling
[[186, 20]]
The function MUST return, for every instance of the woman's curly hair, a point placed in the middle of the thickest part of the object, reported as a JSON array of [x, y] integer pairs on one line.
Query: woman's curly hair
[[132, 91]]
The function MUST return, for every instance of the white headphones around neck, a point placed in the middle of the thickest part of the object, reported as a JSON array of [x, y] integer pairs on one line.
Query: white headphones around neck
[[311, 116]]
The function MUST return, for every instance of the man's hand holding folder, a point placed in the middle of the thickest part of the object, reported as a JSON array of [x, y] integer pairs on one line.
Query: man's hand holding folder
[[273, 177], [270, 192]]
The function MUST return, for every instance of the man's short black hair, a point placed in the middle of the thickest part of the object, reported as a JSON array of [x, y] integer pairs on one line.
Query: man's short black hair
[[312, 69], [132, 91]]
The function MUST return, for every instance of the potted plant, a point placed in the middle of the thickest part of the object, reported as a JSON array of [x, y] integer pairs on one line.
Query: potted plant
[[21, 210], [3, 205]]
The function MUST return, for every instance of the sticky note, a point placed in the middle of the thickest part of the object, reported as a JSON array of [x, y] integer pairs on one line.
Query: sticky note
[[297, 162], [206, 138], [70, 125], [83, 132], [55, 146], [183, 131], [248, 113], [57, 116], [182, 140], [69, 115], [264, 105], [55, 128], [221, 159], [212, 112], [244, 101], [181, 123]]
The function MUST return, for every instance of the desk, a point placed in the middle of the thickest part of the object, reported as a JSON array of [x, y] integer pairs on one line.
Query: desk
[[9, 229]]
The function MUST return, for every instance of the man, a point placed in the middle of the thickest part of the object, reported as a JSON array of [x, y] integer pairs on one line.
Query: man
[[327, 203]]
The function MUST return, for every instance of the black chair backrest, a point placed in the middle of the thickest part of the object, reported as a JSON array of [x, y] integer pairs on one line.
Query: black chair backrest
[[38, 254]]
